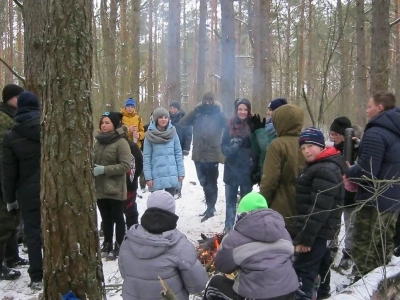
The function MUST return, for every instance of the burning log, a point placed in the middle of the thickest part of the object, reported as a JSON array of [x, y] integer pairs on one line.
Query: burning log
[[206, 250]]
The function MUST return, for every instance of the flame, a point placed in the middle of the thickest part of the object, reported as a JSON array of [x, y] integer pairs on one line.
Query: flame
[[216, 243]]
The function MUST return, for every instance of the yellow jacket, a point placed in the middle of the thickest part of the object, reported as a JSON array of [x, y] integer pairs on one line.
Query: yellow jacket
[[130, 119]]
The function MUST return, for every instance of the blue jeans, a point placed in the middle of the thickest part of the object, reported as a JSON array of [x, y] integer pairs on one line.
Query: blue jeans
[[231, 201], [207, 173]]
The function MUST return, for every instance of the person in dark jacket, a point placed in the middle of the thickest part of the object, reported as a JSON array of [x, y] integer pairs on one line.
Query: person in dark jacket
[[261, 250], [157, 249], [21, 178], [378, 159], [208, 122], [9, 221], [239, 158], [319, 198], [184, 132]]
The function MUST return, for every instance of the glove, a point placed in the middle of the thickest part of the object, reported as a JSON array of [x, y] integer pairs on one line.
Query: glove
[[256, 123], [185, 153], [98, 170], [264, 121], [12, 207], [236, 143]]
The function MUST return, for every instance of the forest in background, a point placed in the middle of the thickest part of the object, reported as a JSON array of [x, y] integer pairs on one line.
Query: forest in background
[[326, 56]]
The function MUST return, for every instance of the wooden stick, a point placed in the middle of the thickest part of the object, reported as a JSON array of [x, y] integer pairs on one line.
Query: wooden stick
[[167, 294]]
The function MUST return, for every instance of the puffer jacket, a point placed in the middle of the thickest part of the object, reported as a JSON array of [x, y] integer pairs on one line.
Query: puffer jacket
[[379, 158], [283, 162], [264, 137], [6, 121], [144, 257], [130, 119], [208, 122], [260, 248], [319, 198], [184, 132], [163, 163], [116, 158]]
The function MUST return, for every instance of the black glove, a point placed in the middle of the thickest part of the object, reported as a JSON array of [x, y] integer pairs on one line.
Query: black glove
[[255, 122], [236, 143], [185, 152], [264, 121]]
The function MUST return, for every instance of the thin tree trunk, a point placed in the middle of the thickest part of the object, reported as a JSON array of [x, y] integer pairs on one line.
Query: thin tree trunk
[[124, 80], [10, 48], [397, 52], [174, 50], [300, 47], [238, 51], [265, 52], [135, 54], [20, 45], [185, 90], [309, 70], [256, 37], [150, 64], [67, 191], [201, 50], [287, 50]]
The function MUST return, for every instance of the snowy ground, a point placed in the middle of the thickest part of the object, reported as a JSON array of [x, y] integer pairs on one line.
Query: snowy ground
[[188, 208]]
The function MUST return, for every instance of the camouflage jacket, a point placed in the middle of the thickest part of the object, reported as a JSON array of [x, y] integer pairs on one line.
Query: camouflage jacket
[[6, 122]]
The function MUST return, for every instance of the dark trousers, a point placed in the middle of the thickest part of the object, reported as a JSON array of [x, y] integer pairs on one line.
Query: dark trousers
[[112, 210], [221, 288], [171, 191], [207, 173], [32, 225], [396, 237], [8, 230], [231, 192], [311, 264], [130, 209]]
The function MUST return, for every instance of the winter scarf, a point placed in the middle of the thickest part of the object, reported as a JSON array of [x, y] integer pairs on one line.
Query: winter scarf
[[160, 137], [26, 113], [108, 138], [157, 220], [239, 128]]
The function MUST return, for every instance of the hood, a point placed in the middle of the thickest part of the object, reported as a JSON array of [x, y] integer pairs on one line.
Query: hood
[[389, 120], [179, 115], [264, 225], [288, 120], [123, 130], [332, 154], [124, 112], [145, 245], [29, 129], [152, 126]]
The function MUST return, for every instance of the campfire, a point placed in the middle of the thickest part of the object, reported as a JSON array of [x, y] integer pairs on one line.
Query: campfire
[[207, 249]]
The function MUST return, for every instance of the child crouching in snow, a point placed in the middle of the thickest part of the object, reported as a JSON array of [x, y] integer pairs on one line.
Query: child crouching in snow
[[319, 196], [261, 250], [154, 249]]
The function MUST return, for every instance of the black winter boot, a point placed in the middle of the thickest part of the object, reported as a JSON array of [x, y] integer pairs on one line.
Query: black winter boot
[[8, 274]]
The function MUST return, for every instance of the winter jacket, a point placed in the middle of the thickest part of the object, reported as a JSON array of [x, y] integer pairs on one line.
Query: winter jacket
[[6, 121], [184, 132], [265, 136], [21, 161], [116, 158], [144, 257], [239, 162], [132, 179], [283, 162], [163, 163], [348, 196], [319, 198], [130, 119], [379, 155], [208, 122], [260, 248]]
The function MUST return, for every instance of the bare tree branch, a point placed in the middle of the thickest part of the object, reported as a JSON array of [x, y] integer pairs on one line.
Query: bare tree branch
[[19, 4], [394, 22], [308, 106], [13, 71]]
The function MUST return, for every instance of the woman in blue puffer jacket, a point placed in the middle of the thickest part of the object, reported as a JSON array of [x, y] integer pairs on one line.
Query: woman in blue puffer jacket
[[162, 154]]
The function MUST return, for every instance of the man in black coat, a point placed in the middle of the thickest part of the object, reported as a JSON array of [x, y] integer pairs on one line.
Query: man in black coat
[[21, 178]]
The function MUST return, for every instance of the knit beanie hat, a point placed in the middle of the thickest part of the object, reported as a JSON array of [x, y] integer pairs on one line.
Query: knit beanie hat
[[176, 104], [130, 102], [340, 124], [163, 200], [160, 112], [312, 135], [243, 101], [276, 103], [115, 118], [10, 91], [27, 100], [252, 201]]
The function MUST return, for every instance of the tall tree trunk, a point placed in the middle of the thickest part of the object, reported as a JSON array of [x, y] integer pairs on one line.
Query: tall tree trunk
[[174, 50], [185, 86], [10, 56], [397, 52], [201, 51], [309, 69], [380, 37], [256, 38], [228, 55], [300, 48], [34, 25], [150, 64], [265, 53], [124, 80], [67, 190], [20, 44], [215, 65], [287, 51], [239, 51], [135, 54]]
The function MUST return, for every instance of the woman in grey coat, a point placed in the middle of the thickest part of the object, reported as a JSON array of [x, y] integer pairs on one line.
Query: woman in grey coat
[[156, 249]]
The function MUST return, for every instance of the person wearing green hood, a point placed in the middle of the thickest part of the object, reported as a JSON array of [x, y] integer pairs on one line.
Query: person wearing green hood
[[260, 246]]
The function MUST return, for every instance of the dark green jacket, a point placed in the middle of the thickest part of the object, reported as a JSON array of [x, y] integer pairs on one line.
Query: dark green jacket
[[6, 122]]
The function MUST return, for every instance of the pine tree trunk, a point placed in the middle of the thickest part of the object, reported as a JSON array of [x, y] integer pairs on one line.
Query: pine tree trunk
[[150, 64], [256, 38], [300, 48], [288, 79], [397, 52], [174, 50], [123, 57], [135, 54], [201, 51], [69, 222], [265, 53], [10, 41]]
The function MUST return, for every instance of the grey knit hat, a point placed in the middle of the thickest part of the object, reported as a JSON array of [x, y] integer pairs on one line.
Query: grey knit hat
[[163, 200], [160, 112]]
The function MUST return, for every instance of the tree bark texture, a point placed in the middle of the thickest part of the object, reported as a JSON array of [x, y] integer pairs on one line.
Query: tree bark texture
[[265, 54], [69, 220], [380, 37], [256, 37], [397, 52], [174, 50], [135, 54], [201, 51]]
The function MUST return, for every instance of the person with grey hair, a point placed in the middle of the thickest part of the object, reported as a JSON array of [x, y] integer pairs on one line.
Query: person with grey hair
[[162, 154]]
